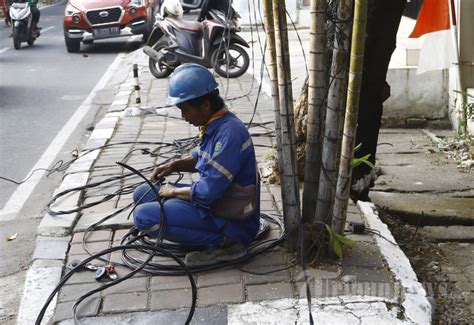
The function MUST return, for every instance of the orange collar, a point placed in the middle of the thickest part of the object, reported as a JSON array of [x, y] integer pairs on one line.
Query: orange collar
[[215, 116]]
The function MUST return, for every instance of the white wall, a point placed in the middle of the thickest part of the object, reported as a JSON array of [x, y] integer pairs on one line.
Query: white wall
[[417, 96]]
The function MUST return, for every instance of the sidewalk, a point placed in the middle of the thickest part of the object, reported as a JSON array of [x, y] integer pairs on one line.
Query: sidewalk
[[372, 283]]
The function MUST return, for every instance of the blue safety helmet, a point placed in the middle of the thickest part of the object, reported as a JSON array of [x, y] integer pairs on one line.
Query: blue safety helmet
[[189, 81]]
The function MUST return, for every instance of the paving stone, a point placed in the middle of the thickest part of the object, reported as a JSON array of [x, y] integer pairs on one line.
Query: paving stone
[[280, 276], [94, 143], [106, 123], [118, 221], [89, 307], [119, 234], [74, 291], [171, 299], [82, 257], [51, 248], [363, 254], [367, 274], [60, 225], [123, 270], [92, 236], [74, 180], [94, 247], [101, 133], [229, 293], [125, 302], [169, 282], [269, 291], [67, 202], [271, 258], [80, 277], [219, 277], [314, 274], [130, 285]]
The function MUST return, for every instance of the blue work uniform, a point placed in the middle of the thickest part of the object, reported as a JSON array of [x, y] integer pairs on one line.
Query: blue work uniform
[[225, 155]]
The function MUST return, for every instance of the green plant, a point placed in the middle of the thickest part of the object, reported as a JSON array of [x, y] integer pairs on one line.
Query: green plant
[[362, 160], [467, 112], [337, 241]]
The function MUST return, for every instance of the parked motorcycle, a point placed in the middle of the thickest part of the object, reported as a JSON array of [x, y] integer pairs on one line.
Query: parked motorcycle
[[20, 15], [213, 43]]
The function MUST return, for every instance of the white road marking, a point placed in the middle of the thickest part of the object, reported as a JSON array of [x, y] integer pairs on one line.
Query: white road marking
[[4, 50], [47, 28], [23, 191]]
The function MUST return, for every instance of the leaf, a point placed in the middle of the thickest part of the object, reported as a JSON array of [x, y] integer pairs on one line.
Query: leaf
[[362, 160], [345, 240], [11, 237], [336, 246]]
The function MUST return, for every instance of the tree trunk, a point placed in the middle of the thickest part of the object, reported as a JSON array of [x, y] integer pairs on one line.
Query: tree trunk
[[350, 121], [316, 98], [289, 181], [272, 70], [301, 121], [334, 116]]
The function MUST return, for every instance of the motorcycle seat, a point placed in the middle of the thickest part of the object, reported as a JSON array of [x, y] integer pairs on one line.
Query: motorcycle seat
[[193, 26]]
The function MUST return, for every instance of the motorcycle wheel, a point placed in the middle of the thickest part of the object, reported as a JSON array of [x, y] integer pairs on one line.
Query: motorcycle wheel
[[31, 41], [156, 69], [16, 39], [233, 66]]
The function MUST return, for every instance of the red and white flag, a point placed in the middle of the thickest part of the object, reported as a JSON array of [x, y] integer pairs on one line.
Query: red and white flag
[[438, 50]]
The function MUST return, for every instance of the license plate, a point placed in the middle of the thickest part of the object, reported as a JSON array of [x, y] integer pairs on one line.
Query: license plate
[[106, 32]]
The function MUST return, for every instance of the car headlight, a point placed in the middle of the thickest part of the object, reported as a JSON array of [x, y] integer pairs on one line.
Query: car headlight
[[136, 3], [70, 10]]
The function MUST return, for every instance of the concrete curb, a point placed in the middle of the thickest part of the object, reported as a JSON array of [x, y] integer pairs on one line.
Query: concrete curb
[[416, 305]]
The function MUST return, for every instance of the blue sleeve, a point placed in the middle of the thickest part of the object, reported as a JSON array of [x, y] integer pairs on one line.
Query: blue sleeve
[[218, 171]]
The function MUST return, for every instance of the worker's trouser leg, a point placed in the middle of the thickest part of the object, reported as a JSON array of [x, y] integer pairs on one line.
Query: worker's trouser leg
[[183, 222]]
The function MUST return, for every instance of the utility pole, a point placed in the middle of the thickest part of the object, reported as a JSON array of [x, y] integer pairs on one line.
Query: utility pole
[[317, 85], [289, 181], [352, 112], [335, 111]]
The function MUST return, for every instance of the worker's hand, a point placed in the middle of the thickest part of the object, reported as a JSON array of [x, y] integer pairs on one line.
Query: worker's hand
[[167, 191], [162, 171]]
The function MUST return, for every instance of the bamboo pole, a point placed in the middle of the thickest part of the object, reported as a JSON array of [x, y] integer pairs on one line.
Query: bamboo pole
[[316, 99], [335, 113], [289, 182], [272, 70], [352, 111]]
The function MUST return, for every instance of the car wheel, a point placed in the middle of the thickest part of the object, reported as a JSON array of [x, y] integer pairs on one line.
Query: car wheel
[[232, 63], [159, 69], [72, 45]]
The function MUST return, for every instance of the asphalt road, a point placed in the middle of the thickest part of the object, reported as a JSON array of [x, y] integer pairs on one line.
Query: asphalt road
[[40, 89]]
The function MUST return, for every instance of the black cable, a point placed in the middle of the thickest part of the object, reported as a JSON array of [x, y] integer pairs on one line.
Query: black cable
[[113, 249]]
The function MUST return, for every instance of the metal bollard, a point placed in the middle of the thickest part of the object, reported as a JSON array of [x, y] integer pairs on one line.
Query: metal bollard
[[137, 84]]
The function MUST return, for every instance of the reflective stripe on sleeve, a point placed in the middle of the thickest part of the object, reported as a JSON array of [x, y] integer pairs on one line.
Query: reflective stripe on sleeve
[[216, 165], [247, 144]]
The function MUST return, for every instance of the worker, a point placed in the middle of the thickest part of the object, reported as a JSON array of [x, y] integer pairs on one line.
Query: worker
[[219, 213]]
